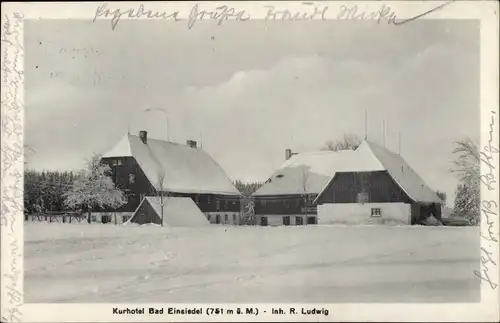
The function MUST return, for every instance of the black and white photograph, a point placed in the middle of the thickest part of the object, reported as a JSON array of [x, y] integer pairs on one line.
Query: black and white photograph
[[255, 161]]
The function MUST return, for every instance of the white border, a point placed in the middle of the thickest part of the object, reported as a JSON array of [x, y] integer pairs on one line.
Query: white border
[[12, 168]]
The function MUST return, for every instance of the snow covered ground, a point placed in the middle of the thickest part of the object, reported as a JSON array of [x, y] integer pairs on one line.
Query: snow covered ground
[[108, 263]]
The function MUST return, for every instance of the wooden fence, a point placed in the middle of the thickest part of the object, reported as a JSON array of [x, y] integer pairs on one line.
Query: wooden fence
[[56, 216]]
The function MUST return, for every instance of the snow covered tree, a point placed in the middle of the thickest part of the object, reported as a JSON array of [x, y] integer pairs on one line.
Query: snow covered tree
[[467, 204], [248, 188], [442, 195], [467, 167], [94, 188], [248, 211], [349, 141]]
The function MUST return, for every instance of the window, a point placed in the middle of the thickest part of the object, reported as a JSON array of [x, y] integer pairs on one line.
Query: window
[[225, 204], [286, 220], [217, 218], [234, 218], [217, 204], [114, 162], [311, 220], [131, 178], [208, 199], [263, 221], [376, 212], [197, 201], [119, 162], [225, 218], [299, 220], [208, 217], [93, 218]]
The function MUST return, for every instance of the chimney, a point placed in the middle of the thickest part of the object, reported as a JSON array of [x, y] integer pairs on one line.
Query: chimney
[[191, 143], [144, 136], [288, 154]]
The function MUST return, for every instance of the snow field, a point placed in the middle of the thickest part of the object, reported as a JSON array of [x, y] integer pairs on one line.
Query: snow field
[[129, 263]]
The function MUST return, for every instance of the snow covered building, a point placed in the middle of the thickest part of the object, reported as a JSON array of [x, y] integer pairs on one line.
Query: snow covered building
[[367, 185], [143, 166], [286, 198], [374, 185], [172, 211]]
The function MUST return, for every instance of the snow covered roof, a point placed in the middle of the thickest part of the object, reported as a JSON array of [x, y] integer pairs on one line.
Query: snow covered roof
[[395, 165], [177, 211], [310, 172], [186, 169], [121, 149], [319, 168], [402, 173]]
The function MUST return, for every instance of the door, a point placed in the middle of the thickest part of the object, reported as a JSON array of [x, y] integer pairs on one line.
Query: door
[[263, 221], [217, 219], [286, 220]]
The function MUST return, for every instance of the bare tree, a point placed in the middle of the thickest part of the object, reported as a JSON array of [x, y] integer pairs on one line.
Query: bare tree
[[305, 195], [467, 161], [94, 188], [161, 191], [467, 168], [349, 141]]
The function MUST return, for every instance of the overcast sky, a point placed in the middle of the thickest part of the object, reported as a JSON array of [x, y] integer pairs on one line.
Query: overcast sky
[[252, 89]]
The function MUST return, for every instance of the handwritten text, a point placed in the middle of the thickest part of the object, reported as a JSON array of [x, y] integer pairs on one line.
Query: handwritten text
[[103, 11], [220, 14], [489, 209], [277, 15]]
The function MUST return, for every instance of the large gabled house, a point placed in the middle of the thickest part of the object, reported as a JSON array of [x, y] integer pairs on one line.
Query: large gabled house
[[368, 185], [375, 185], [143, 166]]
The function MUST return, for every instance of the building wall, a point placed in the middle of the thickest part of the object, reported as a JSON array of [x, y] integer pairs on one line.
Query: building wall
[[231, 218], [285, 204], [213, 202], [379, 187], [137, 187], [129, 177], [357, 213], [277, 219]]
